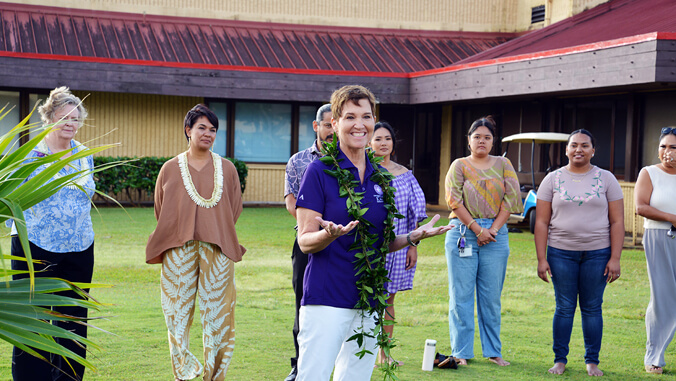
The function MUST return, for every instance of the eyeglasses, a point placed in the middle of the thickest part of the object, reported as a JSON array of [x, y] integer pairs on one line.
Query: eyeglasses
[[67, 119], [668, 130]]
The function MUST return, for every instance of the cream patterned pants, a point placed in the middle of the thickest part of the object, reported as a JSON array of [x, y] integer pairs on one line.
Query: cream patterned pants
[[199, 268]]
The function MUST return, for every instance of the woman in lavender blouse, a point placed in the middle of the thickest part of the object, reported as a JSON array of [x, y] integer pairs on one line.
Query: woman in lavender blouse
[[410, 202]]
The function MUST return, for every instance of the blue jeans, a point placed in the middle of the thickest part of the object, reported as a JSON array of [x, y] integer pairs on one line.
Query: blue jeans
[[483, 272], [578, 273]]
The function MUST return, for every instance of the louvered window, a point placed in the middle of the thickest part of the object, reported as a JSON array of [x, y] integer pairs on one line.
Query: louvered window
[[537, 14]]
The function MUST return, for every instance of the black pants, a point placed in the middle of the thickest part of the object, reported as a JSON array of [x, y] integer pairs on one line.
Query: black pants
[[298, 262], [74, 267]]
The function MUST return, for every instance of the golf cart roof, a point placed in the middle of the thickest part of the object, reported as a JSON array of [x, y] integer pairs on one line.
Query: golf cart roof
[[537, 137]]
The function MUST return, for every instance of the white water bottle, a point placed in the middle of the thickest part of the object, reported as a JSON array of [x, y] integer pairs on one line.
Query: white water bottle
[[428, 355]]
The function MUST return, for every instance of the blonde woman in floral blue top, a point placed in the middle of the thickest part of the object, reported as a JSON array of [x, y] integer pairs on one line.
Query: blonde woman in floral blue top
[[579, 232], [60, 234]]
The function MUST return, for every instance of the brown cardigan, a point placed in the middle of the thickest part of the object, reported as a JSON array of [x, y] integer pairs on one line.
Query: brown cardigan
[[180, 220]]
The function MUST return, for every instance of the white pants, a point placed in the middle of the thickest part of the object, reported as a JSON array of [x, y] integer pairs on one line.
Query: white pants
[[322, 341], [660, 317]]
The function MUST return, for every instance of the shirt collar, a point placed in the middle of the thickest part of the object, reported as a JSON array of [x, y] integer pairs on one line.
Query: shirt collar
[[347, 164], [314, 150]]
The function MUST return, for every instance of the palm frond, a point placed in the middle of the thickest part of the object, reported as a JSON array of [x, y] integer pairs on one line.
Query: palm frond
[[26, 304]]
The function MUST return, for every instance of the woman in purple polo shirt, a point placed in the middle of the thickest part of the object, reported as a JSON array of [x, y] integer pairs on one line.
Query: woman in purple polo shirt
[[328, 316]]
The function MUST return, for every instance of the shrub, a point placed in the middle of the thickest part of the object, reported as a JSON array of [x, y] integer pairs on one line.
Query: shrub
[[140, 174]]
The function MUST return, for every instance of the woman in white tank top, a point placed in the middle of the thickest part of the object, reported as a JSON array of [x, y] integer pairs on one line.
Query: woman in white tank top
[[656, 203]]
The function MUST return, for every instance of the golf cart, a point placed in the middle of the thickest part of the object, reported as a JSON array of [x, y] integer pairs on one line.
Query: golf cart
[[530, 181]]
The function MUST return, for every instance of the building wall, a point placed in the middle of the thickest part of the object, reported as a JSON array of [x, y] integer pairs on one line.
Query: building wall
[[579, 6], [265, 184], [456, 15], [555, 11], [144, 125], [445, 152], [150, 125]]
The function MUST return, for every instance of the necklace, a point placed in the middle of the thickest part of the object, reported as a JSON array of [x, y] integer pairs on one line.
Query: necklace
[[369, 263], [42, 150], [596, 187], [190, 187], [577, 177]]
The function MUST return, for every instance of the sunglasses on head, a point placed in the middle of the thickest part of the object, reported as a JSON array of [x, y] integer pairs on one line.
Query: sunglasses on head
[[668, 130]]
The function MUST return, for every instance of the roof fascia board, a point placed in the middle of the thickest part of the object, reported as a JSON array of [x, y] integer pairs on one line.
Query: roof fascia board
[[553, 53], [621, 65]]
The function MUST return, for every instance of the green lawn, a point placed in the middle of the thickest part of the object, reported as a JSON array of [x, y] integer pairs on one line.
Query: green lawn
[[136, 348]]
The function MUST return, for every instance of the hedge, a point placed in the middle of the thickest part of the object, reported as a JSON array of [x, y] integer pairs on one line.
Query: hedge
[[140, 174]]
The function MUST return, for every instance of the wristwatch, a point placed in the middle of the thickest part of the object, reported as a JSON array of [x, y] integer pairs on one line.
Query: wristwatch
[[408, 239]]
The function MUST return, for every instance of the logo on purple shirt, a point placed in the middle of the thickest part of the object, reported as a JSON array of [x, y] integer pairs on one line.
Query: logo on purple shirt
[[379, 193]]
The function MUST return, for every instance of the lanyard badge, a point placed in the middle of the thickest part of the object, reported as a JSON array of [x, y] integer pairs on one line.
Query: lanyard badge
[[464, 250]]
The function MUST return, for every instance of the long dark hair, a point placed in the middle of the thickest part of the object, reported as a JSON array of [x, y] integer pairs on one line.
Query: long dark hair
[[486, 121], [385, 125]]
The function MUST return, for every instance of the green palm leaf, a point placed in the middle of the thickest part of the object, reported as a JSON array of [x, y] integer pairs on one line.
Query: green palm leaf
[[25, 304]]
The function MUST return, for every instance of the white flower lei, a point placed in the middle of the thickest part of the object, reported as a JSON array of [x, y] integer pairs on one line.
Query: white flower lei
[[81, 180], [190, 187]]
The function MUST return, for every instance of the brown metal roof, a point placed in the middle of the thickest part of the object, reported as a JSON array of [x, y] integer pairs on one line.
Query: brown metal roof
[[614, 20], [94, 36]]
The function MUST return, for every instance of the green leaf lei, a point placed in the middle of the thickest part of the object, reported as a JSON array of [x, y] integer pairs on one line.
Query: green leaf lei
[[370, 261]]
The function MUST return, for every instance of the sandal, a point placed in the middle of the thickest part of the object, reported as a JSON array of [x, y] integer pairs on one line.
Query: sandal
[[445, 362], [652, 369], [449, 362]]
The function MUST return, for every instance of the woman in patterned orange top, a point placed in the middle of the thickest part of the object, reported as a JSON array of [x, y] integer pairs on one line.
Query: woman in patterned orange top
[[481, 190]]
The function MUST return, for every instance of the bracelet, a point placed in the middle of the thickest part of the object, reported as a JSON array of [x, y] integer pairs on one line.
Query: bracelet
[[480, 233], [408, 239], [470, 224]]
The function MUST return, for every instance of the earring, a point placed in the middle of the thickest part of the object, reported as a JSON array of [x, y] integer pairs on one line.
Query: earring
[[188, 142]]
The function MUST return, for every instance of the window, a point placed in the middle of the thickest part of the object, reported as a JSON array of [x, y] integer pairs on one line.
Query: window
[[262, 132], [259, 132], [306, 134], [36, 119], [9, 100], [537, 14]]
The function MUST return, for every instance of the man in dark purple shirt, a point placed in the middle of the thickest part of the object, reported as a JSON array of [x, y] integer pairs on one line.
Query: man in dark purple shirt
[[295, 169]]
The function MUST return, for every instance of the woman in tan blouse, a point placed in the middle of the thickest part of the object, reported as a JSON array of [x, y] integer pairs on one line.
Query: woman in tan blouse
[[481, 190], [196, 243]]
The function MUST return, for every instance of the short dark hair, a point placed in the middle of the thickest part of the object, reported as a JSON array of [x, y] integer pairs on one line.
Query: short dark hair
[[385, 125], [486, 121], [350, 93], [584, 132], [197, 112]]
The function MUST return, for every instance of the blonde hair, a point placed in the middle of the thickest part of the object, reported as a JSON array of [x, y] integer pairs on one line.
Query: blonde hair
[[60, 97]]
